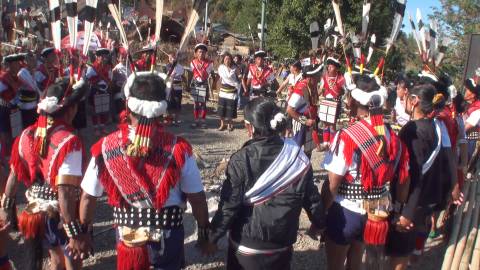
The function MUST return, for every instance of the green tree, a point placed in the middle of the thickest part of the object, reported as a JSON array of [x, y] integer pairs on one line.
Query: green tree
[[458, 19]]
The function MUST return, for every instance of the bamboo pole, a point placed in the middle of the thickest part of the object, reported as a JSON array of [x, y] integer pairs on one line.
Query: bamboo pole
[[476, 254], [457, 219], [467, 254], [465, 226]]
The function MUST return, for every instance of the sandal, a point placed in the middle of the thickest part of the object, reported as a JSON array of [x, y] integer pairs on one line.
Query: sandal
[[221, 128]]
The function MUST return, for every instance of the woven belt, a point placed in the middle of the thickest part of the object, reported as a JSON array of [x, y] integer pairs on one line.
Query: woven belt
[[474, 135], [44, 192], [356, 192], [165, 218]]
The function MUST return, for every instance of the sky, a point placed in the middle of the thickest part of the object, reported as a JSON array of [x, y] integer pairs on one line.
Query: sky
[[425, 7]]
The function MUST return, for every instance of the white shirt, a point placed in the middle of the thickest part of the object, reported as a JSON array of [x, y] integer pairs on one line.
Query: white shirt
[[72, 164], [474, 118], [297, 101], [402, 116], [293, 79], [228, 76]]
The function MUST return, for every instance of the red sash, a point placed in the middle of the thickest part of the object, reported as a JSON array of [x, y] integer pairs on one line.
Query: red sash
[[142, 183], [259, 77], [141, 64], [28, 166], [102, 72], [334, 86], [50, 76], [299, 88], [200, 69], [376, 170], [447, 116]]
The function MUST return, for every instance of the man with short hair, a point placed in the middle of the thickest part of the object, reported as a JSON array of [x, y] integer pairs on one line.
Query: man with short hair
[[48, 158], [260, 77], [202, 69], [47, 72], [332, 88], [9, 85]]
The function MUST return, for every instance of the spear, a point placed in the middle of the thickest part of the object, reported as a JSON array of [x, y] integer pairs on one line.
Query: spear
[[397, 23], [72, 21], [365, 17], [89, 23], [415, 34], [54, 6], [338, 18]]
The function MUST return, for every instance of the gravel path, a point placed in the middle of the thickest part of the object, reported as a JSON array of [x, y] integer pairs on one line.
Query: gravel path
[[212, 148]]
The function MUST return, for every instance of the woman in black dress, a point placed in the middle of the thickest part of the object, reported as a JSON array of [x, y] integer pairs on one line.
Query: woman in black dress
[[269, 181]]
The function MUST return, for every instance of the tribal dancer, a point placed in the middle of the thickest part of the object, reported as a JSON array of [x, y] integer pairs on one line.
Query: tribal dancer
[[28, 93], [47, 72], [48, 158], [202, 69], [292, 78], [302, 108], [99, 76], [9, 85], [227, 98], [363, 161], [332, 88], [147, 173], [175, 101], [268, 183], [119, 77], [432, 170], [472, 116], [260, 77]]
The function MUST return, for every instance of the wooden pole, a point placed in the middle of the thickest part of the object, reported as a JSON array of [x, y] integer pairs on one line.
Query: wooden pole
[[476, 254], [457, 219], [467, 254], [465, 226]]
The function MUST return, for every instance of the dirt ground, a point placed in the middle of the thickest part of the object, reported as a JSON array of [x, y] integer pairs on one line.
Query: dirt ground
[[212, 147]]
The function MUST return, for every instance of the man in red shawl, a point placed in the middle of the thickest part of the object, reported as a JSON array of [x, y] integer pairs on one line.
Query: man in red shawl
[[147, 174], [48, 159]]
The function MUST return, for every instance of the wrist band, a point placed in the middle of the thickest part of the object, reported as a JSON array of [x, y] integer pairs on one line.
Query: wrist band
[[7, 202], [203, 234], [73, 228]]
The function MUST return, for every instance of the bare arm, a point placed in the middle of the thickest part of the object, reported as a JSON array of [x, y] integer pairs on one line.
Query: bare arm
[[282, 86], [198, 201], [87, 208], [11, 187]]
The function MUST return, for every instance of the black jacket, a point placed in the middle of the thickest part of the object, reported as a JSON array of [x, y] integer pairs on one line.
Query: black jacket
[[432, 189], [274, 223]]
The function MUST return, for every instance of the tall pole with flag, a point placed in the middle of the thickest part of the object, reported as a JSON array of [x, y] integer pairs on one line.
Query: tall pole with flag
[[206, 20]]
